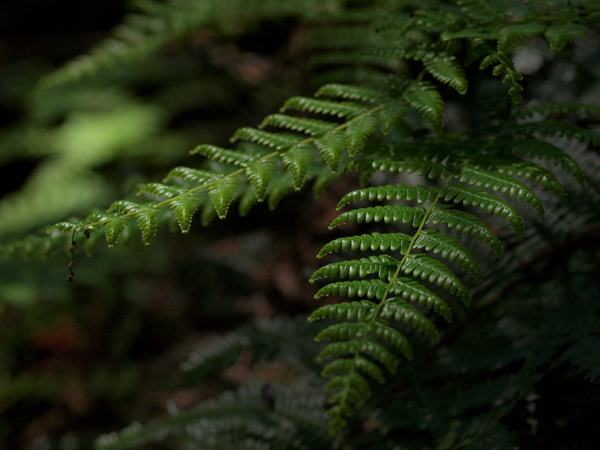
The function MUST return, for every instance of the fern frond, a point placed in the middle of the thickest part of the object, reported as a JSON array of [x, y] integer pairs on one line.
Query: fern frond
[[407, 288], [160, 190], [432, 270], [536, 174], [428, 102], [356, 310], [468, 224], [260, 173], [349, 92], [505, 184], [387, 214], [373, 242], [478, 198], [297, 160], [114, 229], [382, 265], [368, 346], [450, 249], [330, 146], [505, 66], [185, 206], [361, 288], [557, 108], [560, 129], [147, 220], [561, 34], [419, 193], [222, 193], [544, 150], [273, 140], [338, 109], [511, 35], [358, 131], [312, 127], [222, 154], [402, 312], [194, 175], [345, 366], [390, 114], [448, 71]]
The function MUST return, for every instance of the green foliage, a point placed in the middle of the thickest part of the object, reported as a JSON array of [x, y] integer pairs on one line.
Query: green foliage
[[380, 115]]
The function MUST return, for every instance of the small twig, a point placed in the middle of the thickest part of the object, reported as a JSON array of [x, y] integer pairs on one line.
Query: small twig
[[71, 265]]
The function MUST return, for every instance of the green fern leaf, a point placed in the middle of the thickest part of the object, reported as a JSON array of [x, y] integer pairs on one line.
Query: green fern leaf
[[481, 199], [125, 207], [114, 229], [436, 272], [362, 288], [505, 184], [448, 71], [260, 173], [402, 312], [513, 34], [544, 150], [450, 249], [194, 175], [338, 109], [380, 264], [273, 140], [414, 291], [378, 352], [358, 131], [185, 206], [560, 34], [331, 146], [467, 223], [361, 93], [146, 219], [425, 98], [344, 331], [359, 310], [63, 227], [558, 108], [537, 174], [382, 331], [222, 194], [387, 214], [222, 154], [390, 114], [369, 346], [346, 396], [297, 160], [312, 127], [388, 192], [160, 190], [560, 129], [374, 242], [344, 366], [355, 380], [407, 288], [369, 368]]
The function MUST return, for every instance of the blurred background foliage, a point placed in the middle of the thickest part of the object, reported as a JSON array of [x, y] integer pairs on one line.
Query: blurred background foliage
[[86, 358], [80, 359]]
